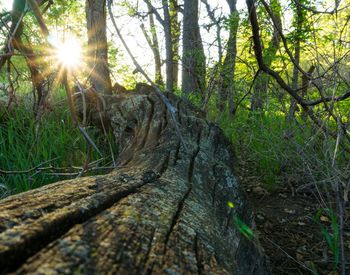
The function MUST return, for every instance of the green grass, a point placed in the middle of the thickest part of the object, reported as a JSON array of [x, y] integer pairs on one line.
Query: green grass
[[24, 145], [276, 150]]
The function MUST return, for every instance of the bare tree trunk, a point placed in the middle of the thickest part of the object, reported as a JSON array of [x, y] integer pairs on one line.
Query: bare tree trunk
[[168, 46], [262, 82], [193, 58], [168, 26], [228, 67], [97, 45], [175, 35], [298, 33], [305, 82], [152, 41], [156, 51], [164, 210], [295, 79]]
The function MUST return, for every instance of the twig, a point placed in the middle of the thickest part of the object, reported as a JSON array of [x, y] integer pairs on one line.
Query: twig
[[289, 256], [250, 88], [5, 172], [88, 139]]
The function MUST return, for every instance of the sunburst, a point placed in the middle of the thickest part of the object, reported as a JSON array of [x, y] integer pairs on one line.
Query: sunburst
[[68, 53]]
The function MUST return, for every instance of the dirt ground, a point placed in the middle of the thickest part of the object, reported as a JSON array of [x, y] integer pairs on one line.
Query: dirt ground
[[289, 231]]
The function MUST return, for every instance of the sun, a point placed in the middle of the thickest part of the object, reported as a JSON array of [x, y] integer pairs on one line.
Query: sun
[[69, 53]]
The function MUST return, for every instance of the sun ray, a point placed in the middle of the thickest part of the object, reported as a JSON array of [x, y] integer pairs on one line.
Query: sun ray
[[68, 52]]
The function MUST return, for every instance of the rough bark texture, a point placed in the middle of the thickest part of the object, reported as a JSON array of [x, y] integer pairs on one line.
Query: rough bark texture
[[97, 45], [162, 211]]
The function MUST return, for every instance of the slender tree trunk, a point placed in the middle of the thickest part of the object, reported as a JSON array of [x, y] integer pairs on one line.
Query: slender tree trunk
[[175, 35], [167, 23], [228, 67], [298, 34], [164, 210], [156, 51], [97, 46], [193, 58], [305, 82], [168, 46], [295, 79], [260, 89], [152, 41]]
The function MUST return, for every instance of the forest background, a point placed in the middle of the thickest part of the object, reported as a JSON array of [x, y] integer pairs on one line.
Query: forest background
[[276, 80]]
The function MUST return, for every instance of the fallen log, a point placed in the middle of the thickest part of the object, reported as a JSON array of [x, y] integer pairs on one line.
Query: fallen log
[[164, 210]]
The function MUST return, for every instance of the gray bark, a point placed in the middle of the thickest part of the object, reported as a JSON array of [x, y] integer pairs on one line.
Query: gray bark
[[193, 58], [97, 45], [163, 210]]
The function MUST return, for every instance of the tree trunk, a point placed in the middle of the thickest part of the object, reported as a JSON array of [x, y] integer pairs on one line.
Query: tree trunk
[[293, 104], [299, 19], [97, 46], [163, 210], [193, 58], [152, 41], [175, 36], [260, 89], [168, 46], [228, 66]]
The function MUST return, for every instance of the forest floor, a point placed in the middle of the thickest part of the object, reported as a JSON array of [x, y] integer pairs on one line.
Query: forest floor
[[287, 227]]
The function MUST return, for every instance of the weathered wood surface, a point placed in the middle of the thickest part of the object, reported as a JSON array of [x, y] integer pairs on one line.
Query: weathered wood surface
[[162, 211]]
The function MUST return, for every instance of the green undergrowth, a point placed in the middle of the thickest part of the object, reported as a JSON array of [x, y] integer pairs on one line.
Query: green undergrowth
[[55, 143], [278, 151]]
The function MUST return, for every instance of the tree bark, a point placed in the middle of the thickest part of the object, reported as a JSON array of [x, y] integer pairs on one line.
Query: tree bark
[[229, 64], [262, 82], [168, 46], [163, 210], [193, 57], [175, 36], [97, 46]]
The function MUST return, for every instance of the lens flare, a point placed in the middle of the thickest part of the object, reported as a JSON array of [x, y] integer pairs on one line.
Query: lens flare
[[69, 53]]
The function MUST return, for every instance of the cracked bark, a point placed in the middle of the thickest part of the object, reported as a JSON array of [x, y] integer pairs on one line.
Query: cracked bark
[[163, 210]]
